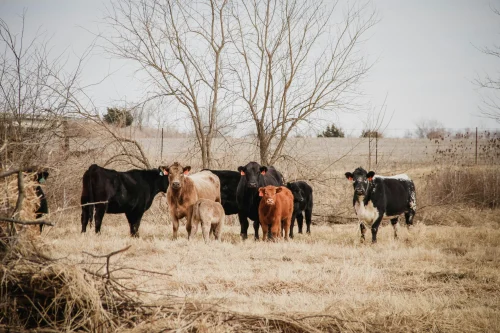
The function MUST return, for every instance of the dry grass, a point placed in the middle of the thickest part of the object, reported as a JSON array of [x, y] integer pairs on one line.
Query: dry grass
[[434, 278]]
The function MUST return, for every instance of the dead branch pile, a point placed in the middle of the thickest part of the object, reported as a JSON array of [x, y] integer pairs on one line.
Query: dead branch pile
[[9, 195]]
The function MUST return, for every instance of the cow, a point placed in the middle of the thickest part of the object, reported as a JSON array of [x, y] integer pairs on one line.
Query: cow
[[43, 209], [211, 216], [114, 192], [228, 185], [185, 190], [377, 197], [253, 176], [275, 210], [302, 202]]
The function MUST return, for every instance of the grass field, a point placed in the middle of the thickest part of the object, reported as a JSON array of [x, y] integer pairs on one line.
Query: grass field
[[442, 275]]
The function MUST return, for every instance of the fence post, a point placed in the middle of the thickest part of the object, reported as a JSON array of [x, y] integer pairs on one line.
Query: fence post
[[161, 151], [376, 148], [369, 150], [476, 145]]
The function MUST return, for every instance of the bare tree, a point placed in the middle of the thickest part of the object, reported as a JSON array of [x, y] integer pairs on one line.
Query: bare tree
[[292, 61], [430, 129], [490, 84], [34, 94], [179, 45]]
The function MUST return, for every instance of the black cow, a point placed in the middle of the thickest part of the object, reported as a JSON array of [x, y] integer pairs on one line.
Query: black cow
[[302, 202], [253, 176], [228, 185], [377, 197], [41, 177], [130, 192]]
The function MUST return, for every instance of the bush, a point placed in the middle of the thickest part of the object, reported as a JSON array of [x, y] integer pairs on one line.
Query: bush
[[332, 132], [119, 117]]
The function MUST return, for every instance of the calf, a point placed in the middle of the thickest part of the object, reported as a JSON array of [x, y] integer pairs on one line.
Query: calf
[[185, 190], [43, 209], [211, 216], [253, 176], [302, 202], [114, 192], [377, 197], [275, 210]]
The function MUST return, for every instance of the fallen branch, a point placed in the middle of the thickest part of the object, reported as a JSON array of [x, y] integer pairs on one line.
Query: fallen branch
[[7, 219], [11, 172], [108, 257]]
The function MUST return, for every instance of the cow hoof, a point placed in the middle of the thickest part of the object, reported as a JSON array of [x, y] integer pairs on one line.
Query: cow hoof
[[244, 236]]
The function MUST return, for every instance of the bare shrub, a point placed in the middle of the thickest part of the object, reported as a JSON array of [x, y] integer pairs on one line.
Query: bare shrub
[[469, 186]]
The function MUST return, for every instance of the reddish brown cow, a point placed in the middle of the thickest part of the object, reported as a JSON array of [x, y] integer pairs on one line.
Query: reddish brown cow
[[275, 210], [185, 190]]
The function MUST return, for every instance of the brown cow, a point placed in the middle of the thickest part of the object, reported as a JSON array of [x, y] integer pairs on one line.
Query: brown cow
[[275, 210], [211, 215], [184, 190]]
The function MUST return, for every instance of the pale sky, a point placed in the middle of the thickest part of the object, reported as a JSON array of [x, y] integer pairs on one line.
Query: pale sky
[[425, 54]]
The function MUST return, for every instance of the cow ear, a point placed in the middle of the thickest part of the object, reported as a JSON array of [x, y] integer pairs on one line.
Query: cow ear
[[370, 175], [186, 170], [262, 191], [263, 170], [278, 189], [288, 185], [349, 175], [241, 170]]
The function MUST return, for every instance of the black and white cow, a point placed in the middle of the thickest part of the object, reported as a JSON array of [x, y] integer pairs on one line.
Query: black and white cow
[[378, 197]]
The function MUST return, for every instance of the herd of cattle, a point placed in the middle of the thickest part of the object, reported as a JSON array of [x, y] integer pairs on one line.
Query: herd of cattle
[[255, 192]]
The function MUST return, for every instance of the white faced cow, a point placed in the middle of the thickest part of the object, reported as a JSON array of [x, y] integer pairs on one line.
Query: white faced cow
[[185, 190], [377, 197]]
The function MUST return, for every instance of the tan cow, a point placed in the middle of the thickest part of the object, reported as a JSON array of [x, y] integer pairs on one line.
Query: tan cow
[[184, 190], [211, 216]]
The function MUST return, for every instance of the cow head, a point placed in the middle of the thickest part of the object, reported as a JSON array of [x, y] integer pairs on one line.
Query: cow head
[[268, 194], [298, 194], [163, 171], [252, 171], [176, 174], [360, 180]]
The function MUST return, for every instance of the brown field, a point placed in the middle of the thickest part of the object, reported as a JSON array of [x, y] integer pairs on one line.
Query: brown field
[[442, 275]]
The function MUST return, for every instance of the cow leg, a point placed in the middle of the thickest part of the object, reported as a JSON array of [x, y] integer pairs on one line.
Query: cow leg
[[87, 212], [300, 221], [292, 222], [99, 214], [218, 228], [363, 231], [394, 223], [308, 213], [375, 228], [275, 230], [189, 221], [244, 225], [175, 226], [256, 224], [134, 221], [265, 230], [287, 222]]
